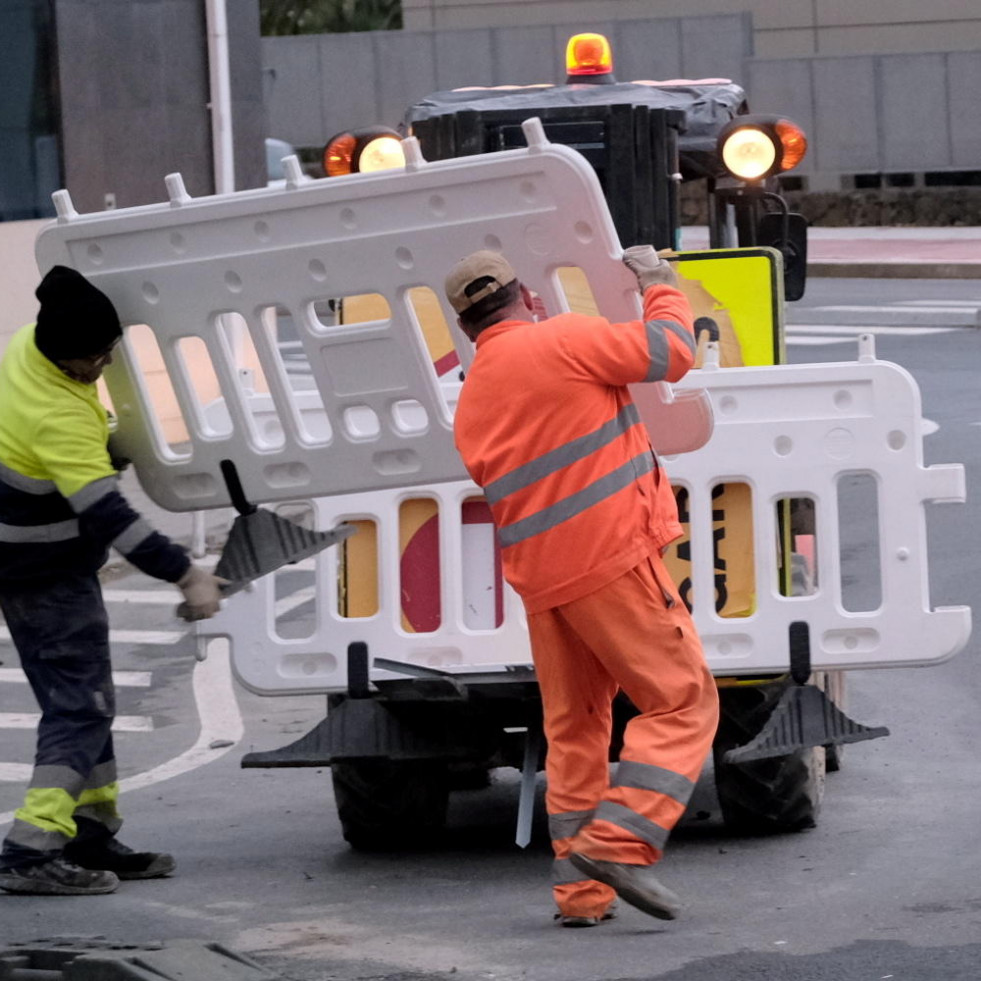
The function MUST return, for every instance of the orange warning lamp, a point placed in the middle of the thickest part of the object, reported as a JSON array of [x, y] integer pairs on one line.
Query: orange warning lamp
[[755, 147], [588, 58], [363, 151]]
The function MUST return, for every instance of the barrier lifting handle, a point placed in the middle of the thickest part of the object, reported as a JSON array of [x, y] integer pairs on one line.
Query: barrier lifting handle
[[235, 490]]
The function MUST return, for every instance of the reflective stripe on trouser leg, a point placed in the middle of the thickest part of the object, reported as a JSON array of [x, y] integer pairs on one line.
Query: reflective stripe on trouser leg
[[96, 814], [45, 822], [62, 635], [574, 893], [577, 696], [640, 631]]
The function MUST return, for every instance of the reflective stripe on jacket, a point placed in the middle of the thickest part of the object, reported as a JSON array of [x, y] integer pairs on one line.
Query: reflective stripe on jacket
[[60, 505], [547, 427]]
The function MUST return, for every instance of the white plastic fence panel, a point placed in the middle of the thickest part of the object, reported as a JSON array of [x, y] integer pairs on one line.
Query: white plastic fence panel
[[193, 269], [479, 620], [785, 431], [799, 431]]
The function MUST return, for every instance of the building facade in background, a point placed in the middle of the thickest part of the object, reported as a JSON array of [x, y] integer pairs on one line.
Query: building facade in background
[[107, 97], [781, 28], [30, 167]]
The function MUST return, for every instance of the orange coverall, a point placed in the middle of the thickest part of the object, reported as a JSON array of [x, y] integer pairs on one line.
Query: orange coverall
[[546, 426]]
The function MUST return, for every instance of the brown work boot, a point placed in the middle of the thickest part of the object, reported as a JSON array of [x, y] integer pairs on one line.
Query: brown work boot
[[634, 884], [113, 856], [57, 877]]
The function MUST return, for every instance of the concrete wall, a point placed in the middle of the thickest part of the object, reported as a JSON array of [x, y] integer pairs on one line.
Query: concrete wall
[[782, 28], [18, 276], [134, 98], [878, 113]]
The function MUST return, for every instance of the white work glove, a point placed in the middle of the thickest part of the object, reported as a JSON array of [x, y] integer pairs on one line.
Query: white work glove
[[202, 597], [648, 267]]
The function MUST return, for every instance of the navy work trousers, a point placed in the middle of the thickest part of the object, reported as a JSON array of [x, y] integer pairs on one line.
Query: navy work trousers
[[61, 632]]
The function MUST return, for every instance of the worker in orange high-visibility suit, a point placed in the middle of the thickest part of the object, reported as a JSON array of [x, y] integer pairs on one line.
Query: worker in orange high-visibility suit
[[546, 426]]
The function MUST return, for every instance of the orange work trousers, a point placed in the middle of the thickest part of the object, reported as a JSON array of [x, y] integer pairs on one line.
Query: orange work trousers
[[633, 634]]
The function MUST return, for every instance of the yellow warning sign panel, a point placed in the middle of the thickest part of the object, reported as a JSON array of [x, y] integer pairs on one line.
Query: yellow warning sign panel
[[737, 300], [736, 296]]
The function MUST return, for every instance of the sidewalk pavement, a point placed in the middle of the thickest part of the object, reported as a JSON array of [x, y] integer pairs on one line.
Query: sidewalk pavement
[[882, 253], [898, 253]]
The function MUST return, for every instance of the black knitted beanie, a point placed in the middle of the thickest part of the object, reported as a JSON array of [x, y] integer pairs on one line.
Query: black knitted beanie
[[76, 319]]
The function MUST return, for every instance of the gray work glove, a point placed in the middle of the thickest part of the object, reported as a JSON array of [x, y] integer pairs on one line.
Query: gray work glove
[[202, 597], [648, 267]]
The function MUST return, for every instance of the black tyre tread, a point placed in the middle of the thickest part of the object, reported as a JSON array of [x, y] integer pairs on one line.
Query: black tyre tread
[[770, 796], [387, 804]]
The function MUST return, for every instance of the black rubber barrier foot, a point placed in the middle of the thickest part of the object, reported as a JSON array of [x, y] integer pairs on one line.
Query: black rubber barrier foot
[[178, 960]]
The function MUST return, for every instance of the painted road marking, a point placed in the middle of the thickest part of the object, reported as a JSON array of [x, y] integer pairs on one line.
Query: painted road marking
[[129, 636], [124, 679], [896, 314], [15, 772], [291, 602], [218, 712], [855, 329], [122, 723], [157, 597], [970, 303], [815, 335], [221, 720]]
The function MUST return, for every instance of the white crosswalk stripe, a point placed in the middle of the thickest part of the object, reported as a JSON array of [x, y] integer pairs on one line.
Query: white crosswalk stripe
[[15, 772], [128, 636], [20, 773], [901, 313], [817, 335], [122, 723], [122, 679]]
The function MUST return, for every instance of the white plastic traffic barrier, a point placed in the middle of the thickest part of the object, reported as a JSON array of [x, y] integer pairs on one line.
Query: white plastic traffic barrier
[[216, 278], [431, 594], [802, 433], [365, 430], [847, 440]]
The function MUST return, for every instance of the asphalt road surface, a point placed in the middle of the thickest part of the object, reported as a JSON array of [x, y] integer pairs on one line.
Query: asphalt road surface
[[888, 886]]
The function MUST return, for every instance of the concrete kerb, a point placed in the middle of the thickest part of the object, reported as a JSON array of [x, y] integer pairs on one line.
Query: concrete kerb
[[895, 270]]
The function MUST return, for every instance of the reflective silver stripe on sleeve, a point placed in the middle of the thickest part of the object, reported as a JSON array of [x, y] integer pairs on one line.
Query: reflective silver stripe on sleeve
[[574, 504], [29, 485], [567, 824], [90, 493], [564, 873], [633, 822], [576, 449], [56, 775], [659, 348], [58, 531], [129, 539], [646, 776]]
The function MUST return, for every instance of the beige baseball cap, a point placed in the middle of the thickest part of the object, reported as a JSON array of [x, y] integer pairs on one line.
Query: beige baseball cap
[[478, 265]]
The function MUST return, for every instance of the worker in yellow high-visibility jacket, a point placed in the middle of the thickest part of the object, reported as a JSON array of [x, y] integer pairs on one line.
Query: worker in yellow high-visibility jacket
[[60, 512]]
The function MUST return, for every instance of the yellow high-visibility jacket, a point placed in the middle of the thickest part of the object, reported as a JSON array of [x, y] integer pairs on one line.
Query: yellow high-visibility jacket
[[60, 504]]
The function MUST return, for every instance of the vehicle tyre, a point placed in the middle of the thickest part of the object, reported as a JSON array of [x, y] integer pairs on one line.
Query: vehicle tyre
[[768, 796], [390, 804]]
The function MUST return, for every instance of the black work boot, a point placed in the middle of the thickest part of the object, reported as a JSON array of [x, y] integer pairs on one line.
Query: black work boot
[[57, 877], [113, 856]]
